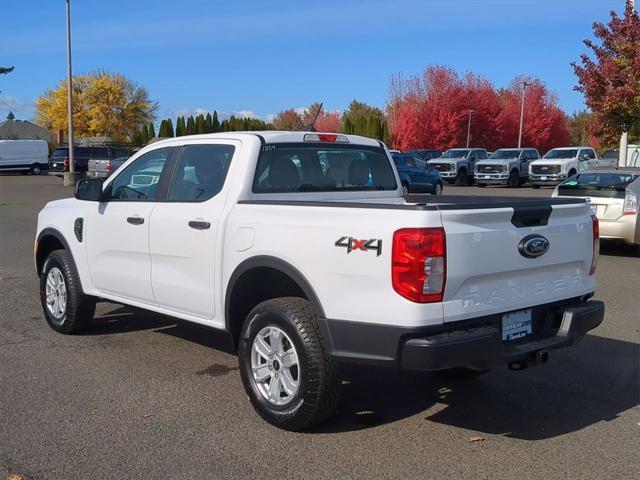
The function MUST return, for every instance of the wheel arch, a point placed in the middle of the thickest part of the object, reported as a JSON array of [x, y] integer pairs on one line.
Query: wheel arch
[[261, 278], [49, 239]]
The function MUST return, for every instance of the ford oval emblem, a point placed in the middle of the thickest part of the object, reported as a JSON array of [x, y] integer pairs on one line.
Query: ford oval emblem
[[533, 246]]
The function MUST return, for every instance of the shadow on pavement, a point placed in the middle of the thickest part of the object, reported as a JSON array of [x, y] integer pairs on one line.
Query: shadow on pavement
[[618, 249], [124, 319], [596, 382]]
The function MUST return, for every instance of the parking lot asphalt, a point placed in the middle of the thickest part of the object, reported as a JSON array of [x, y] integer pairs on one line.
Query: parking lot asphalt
[[139, 396]]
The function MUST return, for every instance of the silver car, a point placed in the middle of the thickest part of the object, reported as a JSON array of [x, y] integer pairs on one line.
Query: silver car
[[614, 196]]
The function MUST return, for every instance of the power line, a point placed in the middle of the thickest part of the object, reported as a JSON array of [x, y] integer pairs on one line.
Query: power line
[[13, 108]]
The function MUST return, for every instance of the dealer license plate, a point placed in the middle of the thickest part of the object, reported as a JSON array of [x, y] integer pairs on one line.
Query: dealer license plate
[[516, 325], [487, 176], [543, 178]]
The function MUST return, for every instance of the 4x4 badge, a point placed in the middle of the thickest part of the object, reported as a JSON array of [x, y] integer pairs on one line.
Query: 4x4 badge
[[353, 244]]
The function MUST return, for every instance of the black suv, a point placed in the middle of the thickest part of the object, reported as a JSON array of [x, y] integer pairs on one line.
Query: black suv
[[59, 160]]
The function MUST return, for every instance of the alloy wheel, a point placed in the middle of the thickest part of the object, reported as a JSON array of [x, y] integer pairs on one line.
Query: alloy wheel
[[275, 366]]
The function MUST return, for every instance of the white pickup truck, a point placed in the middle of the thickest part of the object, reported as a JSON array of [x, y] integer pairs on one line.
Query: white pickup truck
[[301, 247]]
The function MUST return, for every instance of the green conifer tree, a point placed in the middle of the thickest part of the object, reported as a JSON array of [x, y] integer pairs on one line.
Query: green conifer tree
[[191, 125], [181, 128], [215, 123]]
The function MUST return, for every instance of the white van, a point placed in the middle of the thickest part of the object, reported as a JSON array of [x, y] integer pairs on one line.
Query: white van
[[24, 156]]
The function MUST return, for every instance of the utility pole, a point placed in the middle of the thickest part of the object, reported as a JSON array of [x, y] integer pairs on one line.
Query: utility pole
[[71, 176], [471, 112], [525, 84]]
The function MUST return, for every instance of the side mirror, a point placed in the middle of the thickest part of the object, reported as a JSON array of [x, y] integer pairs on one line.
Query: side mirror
[[89, 189]]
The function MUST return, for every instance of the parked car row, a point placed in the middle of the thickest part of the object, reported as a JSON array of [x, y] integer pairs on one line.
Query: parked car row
[[97, 161], [511, 167]]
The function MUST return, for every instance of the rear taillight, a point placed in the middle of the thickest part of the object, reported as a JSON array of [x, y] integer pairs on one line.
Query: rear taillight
[[630, 204], [419, 264], [596, 243], [66, 162], [108, 168]]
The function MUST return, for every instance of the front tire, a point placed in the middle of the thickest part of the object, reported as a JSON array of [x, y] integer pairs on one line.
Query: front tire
[[290, 379], [437, 190], [66, 308], [405, 189], [514, 179], [535, 186], [462, 179]]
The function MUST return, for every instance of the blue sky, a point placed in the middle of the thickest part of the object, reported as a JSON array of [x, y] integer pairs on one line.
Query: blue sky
[[260, 57]]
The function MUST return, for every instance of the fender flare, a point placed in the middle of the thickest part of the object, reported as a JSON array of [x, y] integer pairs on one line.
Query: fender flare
[[276, 264], [51, 232]]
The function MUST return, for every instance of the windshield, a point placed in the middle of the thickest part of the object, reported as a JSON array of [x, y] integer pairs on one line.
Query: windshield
[[505, 154], [60, 153], [299, 167], [573, 153], [608, 184], [455, 153]]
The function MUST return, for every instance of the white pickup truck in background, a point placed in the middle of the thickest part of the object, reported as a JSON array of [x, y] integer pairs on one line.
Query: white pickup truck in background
[[301, 247]]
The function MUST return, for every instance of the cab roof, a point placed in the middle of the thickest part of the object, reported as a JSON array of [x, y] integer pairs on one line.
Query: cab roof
[[275, 136]]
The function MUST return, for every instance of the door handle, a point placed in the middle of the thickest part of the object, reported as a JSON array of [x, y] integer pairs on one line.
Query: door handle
[[199, 225], [135, 220]]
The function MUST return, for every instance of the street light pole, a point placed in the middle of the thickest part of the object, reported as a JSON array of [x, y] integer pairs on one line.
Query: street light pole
[[525, 84], [70, 176], [469, 128]]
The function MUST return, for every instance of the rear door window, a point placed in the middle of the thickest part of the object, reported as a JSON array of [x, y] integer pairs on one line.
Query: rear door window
[[201, 172]]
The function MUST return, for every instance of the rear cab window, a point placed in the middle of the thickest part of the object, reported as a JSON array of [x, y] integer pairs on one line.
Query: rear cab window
[[595, 184], [322, 167]]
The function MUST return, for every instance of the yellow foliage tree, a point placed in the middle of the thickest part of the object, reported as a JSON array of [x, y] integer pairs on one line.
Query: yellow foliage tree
[[104, 105]]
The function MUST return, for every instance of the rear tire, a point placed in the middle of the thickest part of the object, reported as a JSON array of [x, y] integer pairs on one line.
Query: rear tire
[[36, 169], [66, 308], [405, 189], [315, 375]]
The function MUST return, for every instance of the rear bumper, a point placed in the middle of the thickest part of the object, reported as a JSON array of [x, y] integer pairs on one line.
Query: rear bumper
[[94, 174], [473, 343], [624, 228], [482, 348]]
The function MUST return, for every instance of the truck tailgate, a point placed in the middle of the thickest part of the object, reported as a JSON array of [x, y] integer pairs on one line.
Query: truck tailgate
[[487, 273], [99, 166]]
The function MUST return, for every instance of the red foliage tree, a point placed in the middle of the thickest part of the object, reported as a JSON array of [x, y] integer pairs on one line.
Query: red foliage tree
[[611, 81], [406, 128], [545, 125], [288, 120], [328, 122], [433, 111]]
